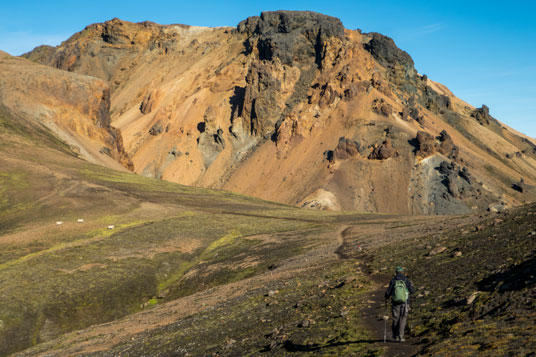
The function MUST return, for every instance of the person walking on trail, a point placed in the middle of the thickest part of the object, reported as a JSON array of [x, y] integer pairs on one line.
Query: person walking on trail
[[399, 290]]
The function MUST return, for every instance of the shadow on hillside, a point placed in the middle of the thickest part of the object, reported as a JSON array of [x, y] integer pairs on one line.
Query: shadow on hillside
[[513, 279], [296, 347]]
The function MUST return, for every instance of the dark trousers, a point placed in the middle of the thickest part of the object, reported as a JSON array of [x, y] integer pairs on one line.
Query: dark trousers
[[400, 317]]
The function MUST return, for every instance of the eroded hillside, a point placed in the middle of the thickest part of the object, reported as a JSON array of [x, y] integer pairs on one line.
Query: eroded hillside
[[74, 107], [292, 107]]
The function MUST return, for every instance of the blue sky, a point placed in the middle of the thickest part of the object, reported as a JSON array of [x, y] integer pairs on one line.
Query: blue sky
[[484, 51]]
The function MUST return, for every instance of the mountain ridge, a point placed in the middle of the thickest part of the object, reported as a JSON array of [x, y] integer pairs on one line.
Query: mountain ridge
[[257, 109]]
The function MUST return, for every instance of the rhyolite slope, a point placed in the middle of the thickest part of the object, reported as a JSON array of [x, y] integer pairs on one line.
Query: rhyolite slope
[[261, 108]]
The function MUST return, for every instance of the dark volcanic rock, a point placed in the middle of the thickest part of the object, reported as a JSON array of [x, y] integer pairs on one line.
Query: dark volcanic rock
[[346, 148], [218, 138], [483, 117], [447, 146], [295, 38], [459, 181], [416, 115], [435, 102], [385, 51], [259, 107], [404, 114], [380, 106], [521, 186], [291, 36], [383, 151], [426, 144]]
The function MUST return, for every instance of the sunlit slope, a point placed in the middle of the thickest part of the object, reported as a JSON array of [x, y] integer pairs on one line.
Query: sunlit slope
[[292, 107], [61, 277]]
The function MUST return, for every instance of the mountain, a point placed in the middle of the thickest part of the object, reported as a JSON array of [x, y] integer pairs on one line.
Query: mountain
[[74, 107], [96, 260], [292, 107]]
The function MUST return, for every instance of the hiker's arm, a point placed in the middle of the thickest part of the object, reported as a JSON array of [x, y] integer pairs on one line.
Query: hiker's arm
[[389, 290], [411, 289]]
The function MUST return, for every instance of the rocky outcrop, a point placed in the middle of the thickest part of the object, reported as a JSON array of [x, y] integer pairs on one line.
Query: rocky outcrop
[[344, 150], [435, 102], [483, 117], [459, 182], [381, 107], [259, 109], [283, 39], [384, 151], [99, 49], [385, 51], [293, 37], [427, 145]]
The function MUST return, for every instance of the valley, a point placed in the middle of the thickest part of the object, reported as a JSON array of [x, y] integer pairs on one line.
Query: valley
[[171, 190]]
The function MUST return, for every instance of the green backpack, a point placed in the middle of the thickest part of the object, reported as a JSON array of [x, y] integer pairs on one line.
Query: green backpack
[[400, 292]]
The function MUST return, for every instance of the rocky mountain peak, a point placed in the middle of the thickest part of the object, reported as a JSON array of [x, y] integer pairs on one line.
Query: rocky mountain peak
[[291, 36], [259, 109], [290, 21]]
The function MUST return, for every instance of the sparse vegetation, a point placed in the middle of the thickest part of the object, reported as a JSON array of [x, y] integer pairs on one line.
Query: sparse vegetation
[[495, 263], [95, 261]]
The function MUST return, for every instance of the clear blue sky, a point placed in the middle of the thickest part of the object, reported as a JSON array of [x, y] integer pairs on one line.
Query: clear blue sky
[[484, 51]]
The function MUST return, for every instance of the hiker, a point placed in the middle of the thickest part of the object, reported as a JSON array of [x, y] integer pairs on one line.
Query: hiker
[[399, 289]]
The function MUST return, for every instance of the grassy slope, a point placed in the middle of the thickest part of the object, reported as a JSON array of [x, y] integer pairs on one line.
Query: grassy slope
[[315, 312], [58, 278]]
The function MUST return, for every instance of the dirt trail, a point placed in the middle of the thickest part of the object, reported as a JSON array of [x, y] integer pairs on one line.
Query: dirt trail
[[376, 308]]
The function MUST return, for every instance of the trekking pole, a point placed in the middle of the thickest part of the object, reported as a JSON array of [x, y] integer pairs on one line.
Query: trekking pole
[[385, 317]]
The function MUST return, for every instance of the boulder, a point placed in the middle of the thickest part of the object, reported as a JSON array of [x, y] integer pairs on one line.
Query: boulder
[[384, 151], [404, 114], [346, 149], [447, 146], [426, 144], [416, 115], [380, 106], [436, 251], [520, 186]]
